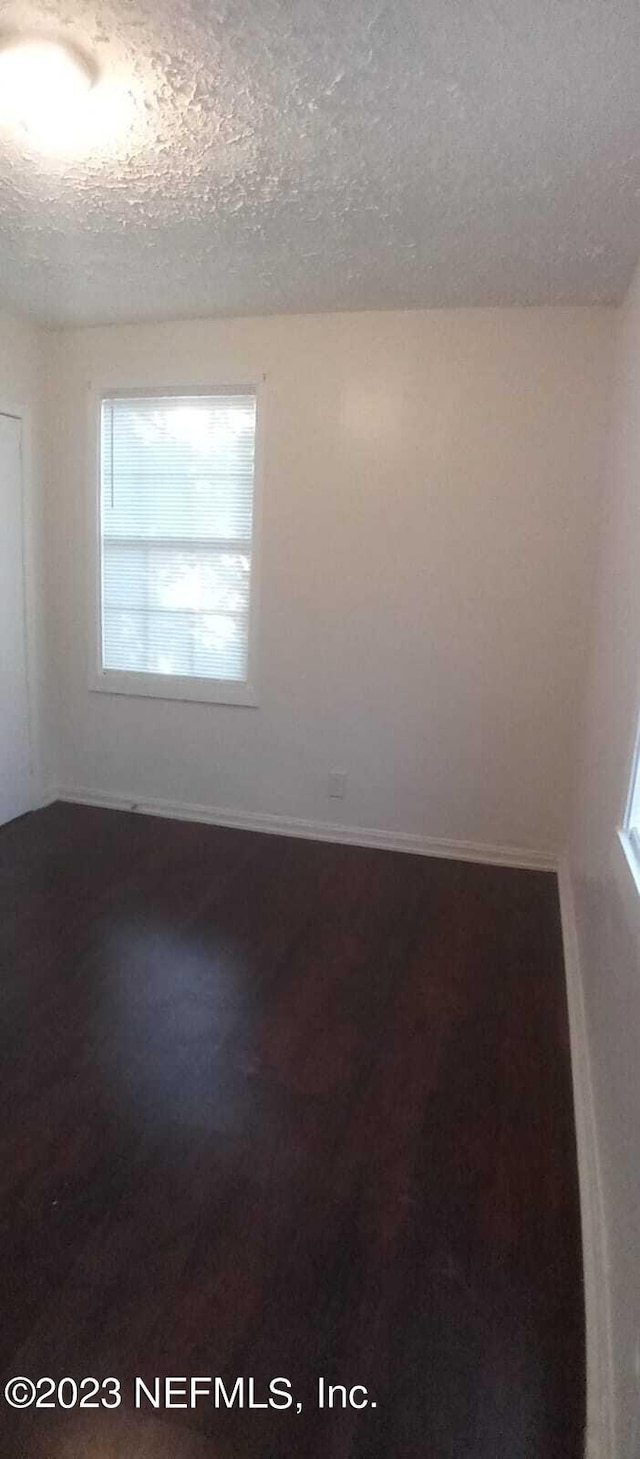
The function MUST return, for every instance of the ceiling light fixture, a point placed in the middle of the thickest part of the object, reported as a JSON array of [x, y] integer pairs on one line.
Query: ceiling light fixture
[[43, 84]]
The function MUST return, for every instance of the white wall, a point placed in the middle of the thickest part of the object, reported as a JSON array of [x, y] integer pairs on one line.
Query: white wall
[[21, 392], [429, 538], [606, 901]]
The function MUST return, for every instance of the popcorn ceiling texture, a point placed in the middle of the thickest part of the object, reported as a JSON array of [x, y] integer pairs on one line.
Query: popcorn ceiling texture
[[299, 155]]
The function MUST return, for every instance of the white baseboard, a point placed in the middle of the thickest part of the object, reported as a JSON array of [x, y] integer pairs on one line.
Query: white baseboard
[[312, 830], [46, 799], [599, 1443]]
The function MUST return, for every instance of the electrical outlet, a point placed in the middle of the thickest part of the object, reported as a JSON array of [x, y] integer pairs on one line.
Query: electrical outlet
[[337, 787]]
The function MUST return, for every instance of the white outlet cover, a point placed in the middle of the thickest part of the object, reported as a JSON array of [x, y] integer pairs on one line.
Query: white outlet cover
[[337, 785]]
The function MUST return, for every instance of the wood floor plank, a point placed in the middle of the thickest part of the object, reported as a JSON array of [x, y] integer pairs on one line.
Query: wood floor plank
[[275, 1108]]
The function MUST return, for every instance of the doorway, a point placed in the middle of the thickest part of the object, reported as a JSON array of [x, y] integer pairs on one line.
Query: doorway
[[15, 756]]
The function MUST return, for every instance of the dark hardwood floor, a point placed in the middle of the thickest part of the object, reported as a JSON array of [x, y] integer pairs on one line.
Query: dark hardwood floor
[[278, 1109]]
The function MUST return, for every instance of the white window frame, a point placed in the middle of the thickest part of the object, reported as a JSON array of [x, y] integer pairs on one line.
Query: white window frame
[[170, 686], [629, 833]]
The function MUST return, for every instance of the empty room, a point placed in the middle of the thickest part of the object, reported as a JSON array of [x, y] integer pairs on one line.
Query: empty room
[[319, 709]]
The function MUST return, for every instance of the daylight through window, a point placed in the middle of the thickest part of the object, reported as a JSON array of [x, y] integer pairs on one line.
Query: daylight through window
[[176, 534]]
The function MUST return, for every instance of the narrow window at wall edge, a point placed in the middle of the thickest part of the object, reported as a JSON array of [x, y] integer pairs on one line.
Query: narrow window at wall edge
[[176, 599], [629, 833]]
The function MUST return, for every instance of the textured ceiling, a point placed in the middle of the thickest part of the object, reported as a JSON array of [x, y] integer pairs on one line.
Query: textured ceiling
[[279, 155]]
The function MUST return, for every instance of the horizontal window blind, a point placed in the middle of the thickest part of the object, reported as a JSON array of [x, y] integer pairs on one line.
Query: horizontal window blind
[[177, 485]]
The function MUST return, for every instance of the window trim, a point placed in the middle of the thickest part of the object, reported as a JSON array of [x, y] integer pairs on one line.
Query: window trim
[[172, 686]]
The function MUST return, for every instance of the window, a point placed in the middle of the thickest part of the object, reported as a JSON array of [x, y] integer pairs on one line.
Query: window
[[176, 544], [630, 833], [633, 817]]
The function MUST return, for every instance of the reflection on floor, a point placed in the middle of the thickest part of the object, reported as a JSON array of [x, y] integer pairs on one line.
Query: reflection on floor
[[278, 1109]]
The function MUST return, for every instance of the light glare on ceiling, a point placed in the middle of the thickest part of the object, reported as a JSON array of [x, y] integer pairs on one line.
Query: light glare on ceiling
[[43, 85]]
